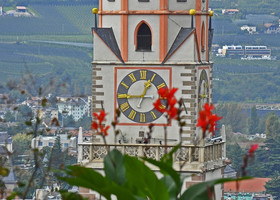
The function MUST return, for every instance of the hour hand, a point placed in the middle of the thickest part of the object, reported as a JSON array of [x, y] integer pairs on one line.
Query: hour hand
[[128, 96]]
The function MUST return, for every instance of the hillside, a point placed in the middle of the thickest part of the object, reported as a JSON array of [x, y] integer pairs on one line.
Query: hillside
[[24, 46]]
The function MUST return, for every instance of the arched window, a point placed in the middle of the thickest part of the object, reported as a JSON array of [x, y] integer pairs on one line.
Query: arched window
[[144, 38], [203, 37]]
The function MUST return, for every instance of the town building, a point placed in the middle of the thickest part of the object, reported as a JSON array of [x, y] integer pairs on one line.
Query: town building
[[6, 141], [22, 9], [230, 11], [48, 141], [247, 52], [140, 47], [250, 188], [250, 29], [77, 107]]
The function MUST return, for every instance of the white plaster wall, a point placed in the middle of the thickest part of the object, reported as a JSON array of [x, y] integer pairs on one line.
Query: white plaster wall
[[213, 175], [174, 5], [116, 5], [133, 55], [185, 53], [113, 21], [136, 5], [103, 52], [132, 132]]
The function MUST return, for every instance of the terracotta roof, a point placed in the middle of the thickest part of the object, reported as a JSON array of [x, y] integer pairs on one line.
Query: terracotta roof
[[255, 185], [232, 10]]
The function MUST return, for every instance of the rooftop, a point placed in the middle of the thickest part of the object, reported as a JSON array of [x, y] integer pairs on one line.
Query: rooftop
[[255, 185]]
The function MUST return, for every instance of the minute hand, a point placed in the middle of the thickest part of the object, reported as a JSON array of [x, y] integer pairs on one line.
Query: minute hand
[[128, 96]]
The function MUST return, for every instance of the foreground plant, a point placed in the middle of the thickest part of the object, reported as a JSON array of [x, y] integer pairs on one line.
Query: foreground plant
[[128, 177]]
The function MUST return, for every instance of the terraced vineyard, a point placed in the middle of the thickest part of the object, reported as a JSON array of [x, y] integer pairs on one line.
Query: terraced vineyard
[[64, 23], [80, 16]]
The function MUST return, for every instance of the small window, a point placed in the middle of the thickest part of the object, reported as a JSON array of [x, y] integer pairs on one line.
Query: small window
[[50, 144], [181, 0], [111, 0], [143, 0], [66, 145], [40, 143], [144, 38]]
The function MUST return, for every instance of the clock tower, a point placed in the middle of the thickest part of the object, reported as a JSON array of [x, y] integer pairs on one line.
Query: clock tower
[[141, 46]]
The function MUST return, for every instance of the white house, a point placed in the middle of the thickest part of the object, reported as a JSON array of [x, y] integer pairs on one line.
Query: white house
[[250, 29], [48, 141], [74, 106]]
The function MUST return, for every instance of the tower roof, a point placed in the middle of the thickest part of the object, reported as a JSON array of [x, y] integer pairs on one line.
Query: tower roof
[[183, 34], [108, 37], [11, 178]]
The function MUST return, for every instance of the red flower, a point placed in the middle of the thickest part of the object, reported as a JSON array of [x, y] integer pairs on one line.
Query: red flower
[[207, 120], [97, 123], [168, 95], [253, 149]]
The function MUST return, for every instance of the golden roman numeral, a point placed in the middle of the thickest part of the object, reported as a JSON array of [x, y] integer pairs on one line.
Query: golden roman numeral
[[161, 85], [143, 74], [124, 106], [132, 77], [142, 117], [132, 114], [123, 83], [153, 77], [162, 106], [121, 96], [153, 115]]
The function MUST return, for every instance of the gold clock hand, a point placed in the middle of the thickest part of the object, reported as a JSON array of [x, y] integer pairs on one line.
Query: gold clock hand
[[128, 96], [147, 85]]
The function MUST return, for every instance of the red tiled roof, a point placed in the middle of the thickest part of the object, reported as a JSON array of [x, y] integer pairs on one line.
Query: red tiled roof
[[255, 185]]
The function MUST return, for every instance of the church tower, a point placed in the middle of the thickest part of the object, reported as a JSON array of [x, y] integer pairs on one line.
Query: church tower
[[141, 46]]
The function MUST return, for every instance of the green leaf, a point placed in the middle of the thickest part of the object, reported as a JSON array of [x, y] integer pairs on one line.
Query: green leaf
[[88, 178], [12, 196], [4, 171], [28, 123], [142, 181], [200, 191], [165, 168], [114, 167], [171, 187], [70, 196], [44, 102], [168, 158]]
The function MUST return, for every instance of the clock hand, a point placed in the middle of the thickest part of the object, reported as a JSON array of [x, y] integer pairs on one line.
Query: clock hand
[[128, 96], [145, 96], [147, 85]]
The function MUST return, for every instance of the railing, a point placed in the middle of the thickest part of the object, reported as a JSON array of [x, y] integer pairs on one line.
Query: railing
[[190, 155]]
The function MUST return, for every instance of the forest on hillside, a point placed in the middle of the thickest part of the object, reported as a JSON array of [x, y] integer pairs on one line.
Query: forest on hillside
[[248, 7]]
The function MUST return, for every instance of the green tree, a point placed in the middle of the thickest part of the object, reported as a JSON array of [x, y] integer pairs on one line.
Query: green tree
[[68, 121], [24, 113], [84, 122], [272, 144], [9, 117], [273, 186], [56, 155], [21, 143], [235, 154], [233, 115], [253, 121]]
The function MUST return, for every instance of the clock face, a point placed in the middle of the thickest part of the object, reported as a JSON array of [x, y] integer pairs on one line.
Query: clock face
[[203, 90], [136, 94]]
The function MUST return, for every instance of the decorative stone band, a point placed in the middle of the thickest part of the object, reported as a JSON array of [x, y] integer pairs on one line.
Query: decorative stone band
[[150, 12], [196, 158]]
